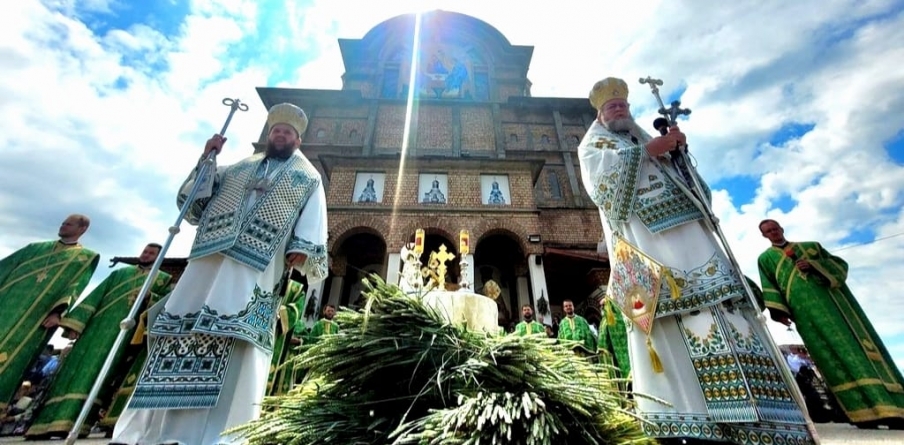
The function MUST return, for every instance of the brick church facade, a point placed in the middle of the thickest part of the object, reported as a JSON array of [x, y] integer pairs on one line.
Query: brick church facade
[[480, 154]]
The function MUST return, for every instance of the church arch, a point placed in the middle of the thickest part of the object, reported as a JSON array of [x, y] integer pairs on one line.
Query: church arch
[[499, 257], [434, 237], [342, 228], [362, 251]]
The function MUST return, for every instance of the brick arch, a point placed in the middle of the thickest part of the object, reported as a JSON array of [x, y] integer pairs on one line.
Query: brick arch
[[431, 229], [501, 226], [501, 232], [347, 227]]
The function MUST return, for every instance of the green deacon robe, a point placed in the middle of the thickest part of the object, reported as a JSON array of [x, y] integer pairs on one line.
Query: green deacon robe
[[613, 340], [842, 342], [321, 328], [534, 327], [38, 280], [96, 319], [290, 325], [132, 363], [576, 330]]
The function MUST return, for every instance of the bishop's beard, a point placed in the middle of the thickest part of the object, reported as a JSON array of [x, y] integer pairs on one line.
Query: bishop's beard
[[280, 151], [528, 317], [627, 125]]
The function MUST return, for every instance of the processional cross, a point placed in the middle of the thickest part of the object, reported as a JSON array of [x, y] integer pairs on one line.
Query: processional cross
[[674, 110]]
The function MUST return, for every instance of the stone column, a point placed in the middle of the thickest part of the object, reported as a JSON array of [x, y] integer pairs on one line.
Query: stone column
[[336, 290], [523, 296], [469, 271], [538, 284], [393, 268], [522, 287]]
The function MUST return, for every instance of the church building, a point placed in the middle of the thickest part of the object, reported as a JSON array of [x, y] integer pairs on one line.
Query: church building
[[478, 155], [474, 152]]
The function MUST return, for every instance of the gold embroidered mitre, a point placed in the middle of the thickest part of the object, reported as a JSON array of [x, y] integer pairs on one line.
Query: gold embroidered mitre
[[291, 115], [606, 90]]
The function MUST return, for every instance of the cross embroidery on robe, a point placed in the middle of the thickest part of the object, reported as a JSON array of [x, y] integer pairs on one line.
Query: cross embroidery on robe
[[605, 143]]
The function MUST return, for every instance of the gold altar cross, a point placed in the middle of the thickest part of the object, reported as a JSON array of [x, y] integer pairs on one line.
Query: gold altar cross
[[442, 257]]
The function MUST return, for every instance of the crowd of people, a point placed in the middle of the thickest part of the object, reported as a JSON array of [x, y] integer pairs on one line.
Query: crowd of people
[[681, 322]]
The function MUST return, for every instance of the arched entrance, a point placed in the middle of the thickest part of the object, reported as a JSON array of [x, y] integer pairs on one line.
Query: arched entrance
[[433, 239], [364, 254], [579, 276], [499, 257]]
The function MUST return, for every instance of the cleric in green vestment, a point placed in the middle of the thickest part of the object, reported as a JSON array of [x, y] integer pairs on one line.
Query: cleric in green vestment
[[804, 283], [289, 331], [94, 323], [135, 355], [575, 329], [529, 326], [613, 339], [324, 326], [37, 284]]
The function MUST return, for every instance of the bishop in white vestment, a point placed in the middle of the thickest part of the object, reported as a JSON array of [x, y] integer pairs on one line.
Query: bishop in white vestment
[[701, 365], [210, 345]]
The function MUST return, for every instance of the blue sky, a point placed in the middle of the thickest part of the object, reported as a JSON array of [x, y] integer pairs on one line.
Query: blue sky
[[796, 107]]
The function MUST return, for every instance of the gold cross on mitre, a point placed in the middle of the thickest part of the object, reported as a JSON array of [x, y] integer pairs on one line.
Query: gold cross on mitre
[[442, 257], [605, 143]]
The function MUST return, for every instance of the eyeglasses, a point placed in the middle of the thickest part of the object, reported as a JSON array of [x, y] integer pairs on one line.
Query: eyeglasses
[[612, 106]]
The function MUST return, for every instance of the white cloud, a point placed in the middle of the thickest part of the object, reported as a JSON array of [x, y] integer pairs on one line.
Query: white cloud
[[78, 142], [88, 123]]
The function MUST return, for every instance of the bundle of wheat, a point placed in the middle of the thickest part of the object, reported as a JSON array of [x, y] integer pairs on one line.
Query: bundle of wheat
[[398, 373]]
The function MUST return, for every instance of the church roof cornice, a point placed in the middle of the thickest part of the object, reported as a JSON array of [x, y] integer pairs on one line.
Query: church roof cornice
[[308, 97]]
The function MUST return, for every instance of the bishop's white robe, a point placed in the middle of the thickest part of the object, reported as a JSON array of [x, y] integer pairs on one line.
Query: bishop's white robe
[[212, 342], [720, 380]]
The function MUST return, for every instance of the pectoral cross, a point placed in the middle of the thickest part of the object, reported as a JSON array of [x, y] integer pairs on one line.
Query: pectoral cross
[[260, 185]]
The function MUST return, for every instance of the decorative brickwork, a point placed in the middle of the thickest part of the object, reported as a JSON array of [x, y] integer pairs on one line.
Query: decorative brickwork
[[507, 90], [346, 224], [573, 119], [535, 117], [509, 115], [552, 188], [322, 130], [359, 111], [351, 132], [477, 133], [572, 136], [544, 137], [570, 227], [390, 126], [434, 127], [515, 136]]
